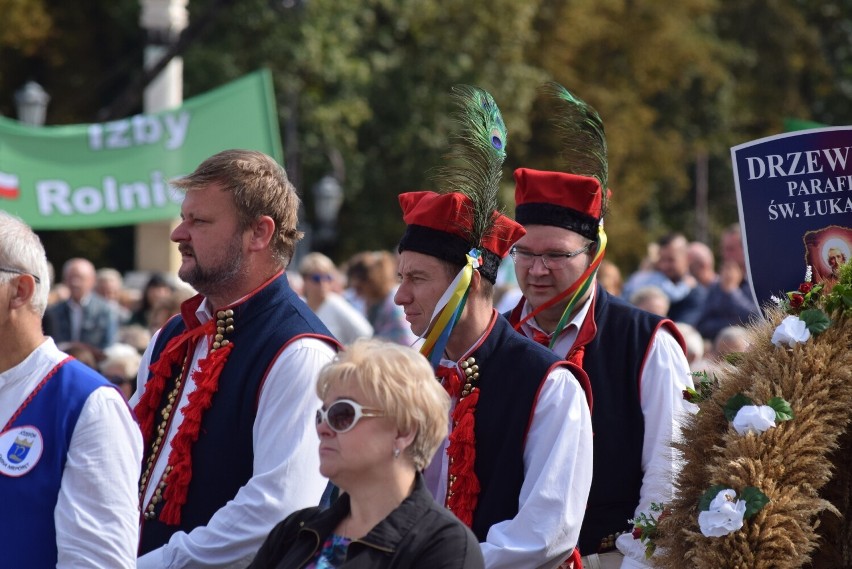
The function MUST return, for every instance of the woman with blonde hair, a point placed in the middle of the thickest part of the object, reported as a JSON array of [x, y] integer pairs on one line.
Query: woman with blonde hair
[[382, 419]]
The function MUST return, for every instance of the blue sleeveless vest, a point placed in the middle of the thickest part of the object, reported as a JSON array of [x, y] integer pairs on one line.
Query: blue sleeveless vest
[[27, 530], [613, 361], [512, 369], [223, 456]]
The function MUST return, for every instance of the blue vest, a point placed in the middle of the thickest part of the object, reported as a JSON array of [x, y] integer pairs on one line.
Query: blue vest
[[27, 530], [223, 456], [613, 361], [512, 369]]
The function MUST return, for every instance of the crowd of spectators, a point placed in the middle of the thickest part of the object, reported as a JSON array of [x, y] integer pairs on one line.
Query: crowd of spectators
[[94, 315]]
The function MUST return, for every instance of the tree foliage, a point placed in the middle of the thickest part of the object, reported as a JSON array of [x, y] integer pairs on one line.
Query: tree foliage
[[363, 87]]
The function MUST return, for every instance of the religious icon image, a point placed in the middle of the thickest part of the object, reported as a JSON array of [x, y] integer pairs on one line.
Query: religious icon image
[[826, 250]]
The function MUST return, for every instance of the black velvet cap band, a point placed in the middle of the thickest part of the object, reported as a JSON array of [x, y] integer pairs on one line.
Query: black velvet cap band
[[558, 216], [447, 247]]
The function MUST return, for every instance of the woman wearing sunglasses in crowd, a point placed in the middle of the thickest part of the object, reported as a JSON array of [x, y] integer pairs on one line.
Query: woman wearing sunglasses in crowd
[[382, 419]]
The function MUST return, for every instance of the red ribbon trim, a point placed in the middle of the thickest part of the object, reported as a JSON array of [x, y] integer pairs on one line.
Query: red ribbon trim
[[462, 452], [206, 379]]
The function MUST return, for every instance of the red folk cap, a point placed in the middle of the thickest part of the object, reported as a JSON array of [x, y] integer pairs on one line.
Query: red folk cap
[[563, 200], [441, 225]]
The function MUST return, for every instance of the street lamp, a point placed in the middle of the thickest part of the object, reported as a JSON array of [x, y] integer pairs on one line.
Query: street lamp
[[31, 102], [328, 197]]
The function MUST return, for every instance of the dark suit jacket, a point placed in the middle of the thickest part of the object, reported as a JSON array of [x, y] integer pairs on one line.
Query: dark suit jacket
[[99, 326]]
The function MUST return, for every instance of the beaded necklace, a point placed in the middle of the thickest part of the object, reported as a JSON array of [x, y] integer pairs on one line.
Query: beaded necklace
[[162, 429]]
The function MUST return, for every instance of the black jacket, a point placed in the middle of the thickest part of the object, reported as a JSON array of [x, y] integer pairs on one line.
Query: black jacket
[[419, 533]]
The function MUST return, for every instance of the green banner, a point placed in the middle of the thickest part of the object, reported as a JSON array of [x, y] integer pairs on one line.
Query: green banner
[[117, 173]]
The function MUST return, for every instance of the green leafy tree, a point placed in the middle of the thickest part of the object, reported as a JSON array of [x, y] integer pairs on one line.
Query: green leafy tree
[[653, 71], [675, 81], [363, 88]]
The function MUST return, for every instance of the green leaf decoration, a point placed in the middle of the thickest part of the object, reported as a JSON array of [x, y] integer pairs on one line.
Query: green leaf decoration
[[709, 495], [783, 411], [754, 499], [816, 320], [840, 298], [734, 404]]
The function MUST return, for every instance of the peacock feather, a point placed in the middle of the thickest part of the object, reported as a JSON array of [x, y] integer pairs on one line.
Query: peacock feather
[[581, 129], [474, 163]]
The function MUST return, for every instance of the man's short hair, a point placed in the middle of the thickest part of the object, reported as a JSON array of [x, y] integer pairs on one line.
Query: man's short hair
[[22, 250], [259, 186], [486, 287]]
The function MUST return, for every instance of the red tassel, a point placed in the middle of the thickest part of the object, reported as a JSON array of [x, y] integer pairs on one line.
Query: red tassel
[[462, 452], [206, 379], [451, 380], [161, 371], [573, 562]]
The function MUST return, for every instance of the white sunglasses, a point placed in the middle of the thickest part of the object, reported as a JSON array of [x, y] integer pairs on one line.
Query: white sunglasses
[[344, 414]]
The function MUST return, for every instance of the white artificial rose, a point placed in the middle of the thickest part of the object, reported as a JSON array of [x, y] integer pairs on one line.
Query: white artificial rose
[[791, 331], [724, 516], [754, 419]]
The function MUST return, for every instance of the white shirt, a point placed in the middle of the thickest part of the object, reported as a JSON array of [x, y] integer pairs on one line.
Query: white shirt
[[343, 320], [286, 461], [96, 514], [662, 381], [557, 479]]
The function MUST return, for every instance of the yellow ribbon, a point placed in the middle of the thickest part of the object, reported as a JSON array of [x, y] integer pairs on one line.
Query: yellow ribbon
[[452, 302]]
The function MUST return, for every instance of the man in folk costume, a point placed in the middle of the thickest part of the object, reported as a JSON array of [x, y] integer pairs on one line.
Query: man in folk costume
[[69, 447], [635, 361], [517, 465], [227, 404]]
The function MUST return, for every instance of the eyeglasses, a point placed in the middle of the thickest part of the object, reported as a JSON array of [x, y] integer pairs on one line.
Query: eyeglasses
[[318, 278], [551, 261], [19, 272], [343, 415]]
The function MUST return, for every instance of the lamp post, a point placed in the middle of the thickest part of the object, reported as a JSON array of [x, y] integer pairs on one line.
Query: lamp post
[[328, 197], [31, 102]]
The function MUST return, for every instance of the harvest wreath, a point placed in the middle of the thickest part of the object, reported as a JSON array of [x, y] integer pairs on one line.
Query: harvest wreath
[[775, 490]]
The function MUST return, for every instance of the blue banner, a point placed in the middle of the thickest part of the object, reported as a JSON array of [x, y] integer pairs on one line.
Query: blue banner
[[794, 193]]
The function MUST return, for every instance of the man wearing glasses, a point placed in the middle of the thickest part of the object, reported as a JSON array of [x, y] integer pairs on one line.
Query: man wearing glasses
[[635, 360], [70, 451]]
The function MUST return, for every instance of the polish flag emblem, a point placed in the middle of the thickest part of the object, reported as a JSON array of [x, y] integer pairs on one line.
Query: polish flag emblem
[[9, 186]]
